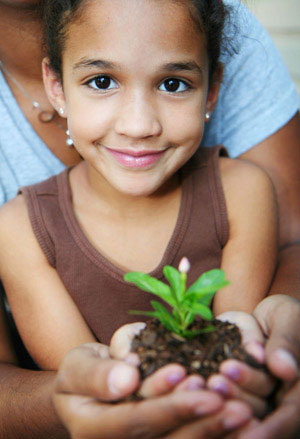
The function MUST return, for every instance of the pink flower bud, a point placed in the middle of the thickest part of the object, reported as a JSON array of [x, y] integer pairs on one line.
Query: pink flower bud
[[184, 265]]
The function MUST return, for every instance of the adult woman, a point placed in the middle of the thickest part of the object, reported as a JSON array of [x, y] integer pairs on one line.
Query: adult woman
[[277, 151]]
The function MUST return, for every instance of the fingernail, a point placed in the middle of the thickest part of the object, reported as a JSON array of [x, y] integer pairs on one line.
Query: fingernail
[[175, 377], [218, 385], [288, 358], [119, 378], [194, 383], [137, 327], [133, 359], [231, 372], [257, 350]]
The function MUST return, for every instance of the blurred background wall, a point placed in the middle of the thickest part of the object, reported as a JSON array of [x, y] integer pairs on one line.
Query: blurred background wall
[[282, 20]]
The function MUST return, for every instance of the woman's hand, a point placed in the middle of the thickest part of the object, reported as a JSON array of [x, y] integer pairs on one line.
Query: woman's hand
[[239, 380], [279, 318]]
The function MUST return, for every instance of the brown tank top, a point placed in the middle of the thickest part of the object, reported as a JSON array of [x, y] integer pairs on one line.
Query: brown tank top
[[95, 284]]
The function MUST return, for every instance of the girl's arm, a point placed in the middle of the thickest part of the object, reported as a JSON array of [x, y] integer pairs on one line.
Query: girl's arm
[[45, 314], [250, 255]]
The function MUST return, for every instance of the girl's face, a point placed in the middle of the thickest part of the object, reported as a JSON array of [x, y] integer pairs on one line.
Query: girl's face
[[135, 90]]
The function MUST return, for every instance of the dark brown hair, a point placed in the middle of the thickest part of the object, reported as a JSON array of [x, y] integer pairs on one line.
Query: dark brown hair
[[209, 15]]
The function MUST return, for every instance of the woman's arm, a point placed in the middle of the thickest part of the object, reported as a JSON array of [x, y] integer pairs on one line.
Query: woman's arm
[[26, 406], [46, 316], [250, 255]]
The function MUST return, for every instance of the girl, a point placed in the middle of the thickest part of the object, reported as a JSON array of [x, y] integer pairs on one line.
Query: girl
[[136, 88]]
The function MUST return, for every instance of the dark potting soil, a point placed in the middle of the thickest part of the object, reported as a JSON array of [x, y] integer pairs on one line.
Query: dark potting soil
[[156, 347]]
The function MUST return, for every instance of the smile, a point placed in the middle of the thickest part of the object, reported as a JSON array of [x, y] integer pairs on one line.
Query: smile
[[136, 159]]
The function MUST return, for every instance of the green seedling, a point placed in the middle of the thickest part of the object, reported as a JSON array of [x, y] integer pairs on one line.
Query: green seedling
[[186, 304]]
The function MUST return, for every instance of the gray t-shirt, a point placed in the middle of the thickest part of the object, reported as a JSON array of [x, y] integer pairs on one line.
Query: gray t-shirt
[[257, 97]]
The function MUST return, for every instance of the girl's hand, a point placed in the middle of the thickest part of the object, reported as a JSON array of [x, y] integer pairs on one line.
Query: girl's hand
[[237, 379], [88, 380]]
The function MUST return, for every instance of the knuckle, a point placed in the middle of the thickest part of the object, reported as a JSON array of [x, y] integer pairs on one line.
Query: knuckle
[[94, 377], [61, 382]]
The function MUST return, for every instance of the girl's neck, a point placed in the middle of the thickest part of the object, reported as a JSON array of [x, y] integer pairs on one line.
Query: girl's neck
[[21, 33]]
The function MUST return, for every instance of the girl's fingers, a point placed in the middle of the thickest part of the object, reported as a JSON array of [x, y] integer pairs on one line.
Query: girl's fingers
[[234, 415], [84, 372], [236, 434], [228, 389], [248, 378], [151, 418], [164, 380], [120, 344], [191, 382]]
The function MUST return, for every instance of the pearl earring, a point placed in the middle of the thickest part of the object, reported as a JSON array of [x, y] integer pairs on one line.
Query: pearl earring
[[69, 140], [207, 116]]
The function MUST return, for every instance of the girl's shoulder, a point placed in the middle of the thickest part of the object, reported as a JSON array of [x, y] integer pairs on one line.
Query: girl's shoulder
[[16, 234], [242, 172], [247, 187], [12, 209], [14, 218]]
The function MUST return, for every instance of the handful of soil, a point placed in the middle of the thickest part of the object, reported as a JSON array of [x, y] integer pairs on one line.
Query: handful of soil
[[203, 354]]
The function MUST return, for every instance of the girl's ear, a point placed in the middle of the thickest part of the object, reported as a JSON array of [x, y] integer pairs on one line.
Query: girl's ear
[[213, 91], [53, 87]]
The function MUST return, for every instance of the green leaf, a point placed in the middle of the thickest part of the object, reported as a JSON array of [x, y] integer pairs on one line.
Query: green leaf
[[197, 308], [190, 317], [173, 276], [191, 334], [176, 315], [143, 313], [165, 317], [151, 285], [199, 296], [208, 282]]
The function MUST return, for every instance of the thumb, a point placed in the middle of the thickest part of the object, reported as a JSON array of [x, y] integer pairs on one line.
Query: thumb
[[279, 317], [120, 343], [252, 337], [84, 371]]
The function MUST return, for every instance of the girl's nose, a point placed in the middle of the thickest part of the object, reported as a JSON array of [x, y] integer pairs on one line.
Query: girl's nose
[[137, 118]]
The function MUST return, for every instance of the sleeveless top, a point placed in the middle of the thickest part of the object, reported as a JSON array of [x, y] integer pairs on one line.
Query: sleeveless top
[[95, 284]]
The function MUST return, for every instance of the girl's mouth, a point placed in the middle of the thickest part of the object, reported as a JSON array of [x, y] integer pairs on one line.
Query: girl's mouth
[[136, 159]]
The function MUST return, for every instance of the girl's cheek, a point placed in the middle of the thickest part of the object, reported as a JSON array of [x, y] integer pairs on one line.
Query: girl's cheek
[[89, 125]]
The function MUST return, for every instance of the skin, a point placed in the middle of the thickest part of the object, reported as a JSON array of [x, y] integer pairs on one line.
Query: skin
[[24, 61], [72, 396], [135, 113], [183, 418]]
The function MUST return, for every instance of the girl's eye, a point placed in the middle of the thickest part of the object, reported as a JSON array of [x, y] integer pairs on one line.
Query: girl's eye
[[102, 83], [173, 85]]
